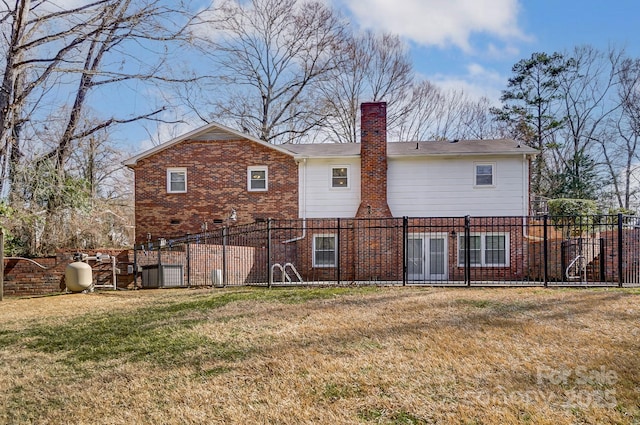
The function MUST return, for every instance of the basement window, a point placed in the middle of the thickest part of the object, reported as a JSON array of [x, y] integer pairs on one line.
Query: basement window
[[486, 250], [258, 179], [324, 250], [177, 180]]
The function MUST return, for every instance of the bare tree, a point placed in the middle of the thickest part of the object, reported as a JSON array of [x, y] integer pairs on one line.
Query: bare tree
[[50, 47], [477, 122], [29, 63], [422, 107], [58, 63], [620, 149], [430, 113], [266, 57], [589, 101], [374, 68]]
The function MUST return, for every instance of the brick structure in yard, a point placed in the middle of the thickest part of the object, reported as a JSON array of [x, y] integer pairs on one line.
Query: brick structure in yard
[[24, 278], [216, 184]]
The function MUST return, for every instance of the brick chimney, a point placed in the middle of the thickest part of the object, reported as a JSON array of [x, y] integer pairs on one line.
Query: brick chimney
[[373, 161]]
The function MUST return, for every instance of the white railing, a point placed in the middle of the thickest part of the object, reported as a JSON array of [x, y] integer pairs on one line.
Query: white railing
[[286, 278]]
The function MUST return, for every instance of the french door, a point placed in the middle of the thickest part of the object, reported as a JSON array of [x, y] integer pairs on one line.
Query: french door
[[427, 257]]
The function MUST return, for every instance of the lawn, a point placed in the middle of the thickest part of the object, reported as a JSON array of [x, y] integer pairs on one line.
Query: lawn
[[369, 355]]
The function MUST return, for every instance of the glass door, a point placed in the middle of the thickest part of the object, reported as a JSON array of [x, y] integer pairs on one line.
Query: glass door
[[415, 257], [427, 257]]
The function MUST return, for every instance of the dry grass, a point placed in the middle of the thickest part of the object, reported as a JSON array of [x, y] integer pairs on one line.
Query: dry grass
[[322, 356]]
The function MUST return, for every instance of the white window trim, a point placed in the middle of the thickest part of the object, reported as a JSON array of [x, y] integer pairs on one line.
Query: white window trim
[[176, 170], [335, 250], [483, 242], [266, 177], [331, 186], [475, 175]]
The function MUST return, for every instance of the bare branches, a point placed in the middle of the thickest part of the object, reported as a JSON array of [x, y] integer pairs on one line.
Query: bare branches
[[59, 62], [372, 67], [271, 52]]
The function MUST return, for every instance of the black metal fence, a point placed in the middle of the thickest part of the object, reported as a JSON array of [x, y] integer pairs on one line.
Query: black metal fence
[[480, 251]]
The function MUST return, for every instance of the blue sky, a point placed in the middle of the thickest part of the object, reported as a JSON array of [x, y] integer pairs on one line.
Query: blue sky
[[472, 44]]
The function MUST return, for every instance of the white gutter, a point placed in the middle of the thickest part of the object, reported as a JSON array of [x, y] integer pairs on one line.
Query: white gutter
[[302, 199]]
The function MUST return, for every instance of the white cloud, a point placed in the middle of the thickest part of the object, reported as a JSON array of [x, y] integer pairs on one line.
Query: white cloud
[[476, 83], [440, 22]]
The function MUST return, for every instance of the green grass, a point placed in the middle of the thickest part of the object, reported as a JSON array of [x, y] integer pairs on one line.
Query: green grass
[[353, 355], [162, 334], [382, 416]]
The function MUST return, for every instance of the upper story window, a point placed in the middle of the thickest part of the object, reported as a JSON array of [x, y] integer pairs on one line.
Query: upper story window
[[258, 179], [485, 175], [340, 177], [177, 180]]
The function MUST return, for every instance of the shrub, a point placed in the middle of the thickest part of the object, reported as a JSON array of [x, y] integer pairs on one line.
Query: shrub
[[574, 215], [572, 207]]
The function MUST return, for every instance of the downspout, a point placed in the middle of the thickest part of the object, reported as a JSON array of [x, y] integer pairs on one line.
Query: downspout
[[302, 187], [525, 198]]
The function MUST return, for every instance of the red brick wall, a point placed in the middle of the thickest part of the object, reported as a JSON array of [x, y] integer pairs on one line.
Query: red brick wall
[[216, 183], [373, 158], [24, 278]]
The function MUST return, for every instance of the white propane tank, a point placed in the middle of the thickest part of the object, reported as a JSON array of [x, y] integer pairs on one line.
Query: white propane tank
[[78, 276]]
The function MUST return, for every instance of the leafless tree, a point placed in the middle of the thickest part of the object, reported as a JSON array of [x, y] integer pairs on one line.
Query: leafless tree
[[589, 98], [58, 63], [477, 122], [422, 108], [374, 67], [431, 113], [620, 149], [266, 57]]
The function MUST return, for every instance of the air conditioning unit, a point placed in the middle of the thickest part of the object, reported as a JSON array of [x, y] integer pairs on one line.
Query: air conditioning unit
[[163, 276]]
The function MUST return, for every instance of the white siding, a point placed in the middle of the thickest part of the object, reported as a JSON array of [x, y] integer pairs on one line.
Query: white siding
[[444, 187], [318, 199]]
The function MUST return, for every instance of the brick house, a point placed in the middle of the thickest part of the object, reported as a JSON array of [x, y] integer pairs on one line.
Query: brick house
[[214, 174], [199, 180]]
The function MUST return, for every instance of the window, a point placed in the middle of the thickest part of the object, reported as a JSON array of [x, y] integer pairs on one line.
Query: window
[[257, 179], [488, 249], [484, 175], [340, 177], [324, 250], [176, 180]]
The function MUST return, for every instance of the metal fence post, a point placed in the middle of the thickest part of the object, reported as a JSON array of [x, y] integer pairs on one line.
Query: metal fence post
[[188, 248], [269, 277], [338, 252], [405, 243], [603, 270], [620, 252], [467, 250], [224, 255], [545, 250], [160, 274], [135, 265]]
